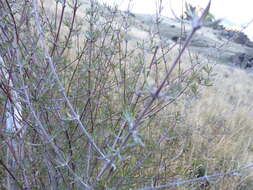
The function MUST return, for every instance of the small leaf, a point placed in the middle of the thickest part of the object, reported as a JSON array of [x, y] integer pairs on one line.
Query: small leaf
[[128, 116], [194, 89], [205, 13], [137, 139], [207, 69]]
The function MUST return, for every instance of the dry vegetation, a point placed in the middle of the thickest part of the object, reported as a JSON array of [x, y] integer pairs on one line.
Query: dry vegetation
[[101, 109]]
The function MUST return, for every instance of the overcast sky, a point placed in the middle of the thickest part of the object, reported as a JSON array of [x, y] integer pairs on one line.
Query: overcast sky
[[239, 12]]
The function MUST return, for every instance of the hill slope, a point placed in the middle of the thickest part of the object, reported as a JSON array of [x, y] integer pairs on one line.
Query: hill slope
[[106, 99]]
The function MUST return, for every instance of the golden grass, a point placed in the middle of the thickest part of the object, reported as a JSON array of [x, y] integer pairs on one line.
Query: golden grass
[[220, 119], [224, 111]]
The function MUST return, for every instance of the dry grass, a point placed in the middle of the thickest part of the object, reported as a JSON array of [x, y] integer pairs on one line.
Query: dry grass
[[219, 120], [198, 134]]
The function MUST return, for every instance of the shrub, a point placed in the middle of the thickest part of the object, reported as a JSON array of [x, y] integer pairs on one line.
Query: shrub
[[92, 108]]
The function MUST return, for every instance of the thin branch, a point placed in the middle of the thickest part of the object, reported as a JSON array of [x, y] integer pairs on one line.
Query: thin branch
[[180, 183], [197, 24], [48, 58], [59, 28], [11, 174]]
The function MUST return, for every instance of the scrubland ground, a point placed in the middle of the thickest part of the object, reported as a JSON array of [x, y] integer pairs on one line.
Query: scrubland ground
[[95, 127]]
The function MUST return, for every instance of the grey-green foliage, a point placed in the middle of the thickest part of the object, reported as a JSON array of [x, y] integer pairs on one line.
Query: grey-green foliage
[[141, 134]]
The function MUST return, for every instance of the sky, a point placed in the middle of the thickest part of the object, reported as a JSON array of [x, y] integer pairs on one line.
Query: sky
[[237, 12]]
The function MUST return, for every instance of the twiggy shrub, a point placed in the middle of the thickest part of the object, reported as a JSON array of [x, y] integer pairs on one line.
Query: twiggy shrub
[[95, 108]]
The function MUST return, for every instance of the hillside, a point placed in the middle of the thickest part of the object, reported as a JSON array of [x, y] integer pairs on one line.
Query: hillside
[[95, 98], [217, 44]]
